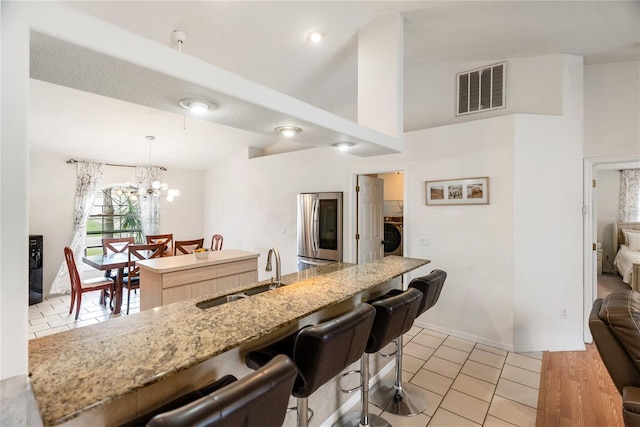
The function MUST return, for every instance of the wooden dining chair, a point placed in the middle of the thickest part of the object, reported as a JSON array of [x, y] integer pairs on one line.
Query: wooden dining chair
[[187, 246], [165, 239], [78, 287], [115, 245], [216, 242], [139, 253]]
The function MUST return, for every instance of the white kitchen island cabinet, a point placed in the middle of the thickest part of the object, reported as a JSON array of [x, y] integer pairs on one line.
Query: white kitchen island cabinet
[[177, 278]]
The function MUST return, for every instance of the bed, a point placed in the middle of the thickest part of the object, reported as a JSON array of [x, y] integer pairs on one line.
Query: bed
[[627, 260]]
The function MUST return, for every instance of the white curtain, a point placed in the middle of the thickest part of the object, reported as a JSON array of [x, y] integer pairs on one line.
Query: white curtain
[[630, 195], [149, 204], [88, 179]]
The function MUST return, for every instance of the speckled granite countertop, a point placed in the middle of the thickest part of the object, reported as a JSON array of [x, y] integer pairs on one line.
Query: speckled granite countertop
[[168, 264], [77, 370]]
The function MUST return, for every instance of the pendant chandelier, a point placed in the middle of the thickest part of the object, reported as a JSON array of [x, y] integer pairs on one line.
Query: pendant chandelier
[[153, 186], [149, 184]]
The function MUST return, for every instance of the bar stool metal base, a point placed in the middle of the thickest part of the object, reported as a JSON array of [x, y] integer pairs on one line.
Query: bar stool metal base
[[408, 400], [353, 420]]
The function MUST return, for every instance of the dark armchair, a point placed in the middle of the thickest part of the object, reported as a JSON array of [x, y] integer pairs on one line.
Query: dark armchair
[[615, 325]]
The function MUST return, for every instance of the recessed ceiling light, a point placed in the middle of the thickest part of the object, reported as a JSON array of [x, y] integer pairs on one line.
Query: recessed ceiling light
[[343, 146], [288, 131], [197, 106], [315, 36]]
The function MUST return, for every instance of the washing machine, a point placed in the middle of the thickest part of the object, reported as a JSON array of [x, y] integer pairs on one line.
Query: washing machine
[[392, 235]]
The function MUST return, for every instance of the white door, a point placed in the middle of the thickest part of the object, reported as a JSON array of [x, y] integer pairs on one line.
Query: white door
[[370, 226]]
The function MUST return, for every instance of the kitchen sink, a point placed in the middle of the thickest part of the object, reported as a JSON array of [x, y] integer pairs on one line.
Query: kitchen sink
[[219, 301], [258, 290], [233, 297]]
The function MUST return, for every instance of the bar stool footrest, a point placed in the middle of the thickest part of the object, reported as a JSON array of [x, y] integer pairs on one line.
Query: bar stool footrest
[[346, 374], [408, 401], [295, 409]]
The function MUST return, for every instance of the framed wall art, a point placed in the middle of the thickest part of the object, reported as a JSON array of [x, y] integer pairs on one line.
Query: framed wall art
[[466, 191]]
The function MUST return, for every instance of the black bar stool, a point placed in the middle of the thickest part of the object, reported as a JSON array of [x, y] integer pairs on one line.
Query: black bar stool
[[259, 399], [394, 317], [320, 353], [394, 396]]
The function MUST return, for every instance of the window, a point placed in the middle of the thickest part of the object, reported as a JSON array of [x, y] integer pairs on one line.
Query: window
[[115, 213], [482, 89]]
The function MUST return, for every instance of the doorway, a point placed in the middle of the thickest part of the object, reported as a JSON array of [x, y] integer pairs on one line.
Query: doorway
[[590, 273], [391, 213]]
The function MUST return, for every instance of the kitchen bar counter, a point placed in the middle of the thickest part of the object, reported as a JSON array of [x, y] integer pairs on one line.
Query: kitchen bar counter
[[77, 371]]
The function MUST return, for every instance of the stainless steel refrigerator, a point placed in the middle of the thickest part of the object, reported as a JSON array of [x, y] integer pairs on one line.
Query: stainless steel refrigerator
[[319, 229]]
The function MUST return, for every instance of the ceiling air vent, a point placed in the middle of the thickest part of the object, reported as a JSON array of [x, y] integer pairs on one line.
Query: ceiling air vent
[[481, 89]]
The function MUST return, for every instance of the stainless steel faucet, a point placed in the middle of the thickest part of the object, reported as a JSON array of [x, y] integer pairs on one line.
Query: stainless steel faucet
[[268, 268]]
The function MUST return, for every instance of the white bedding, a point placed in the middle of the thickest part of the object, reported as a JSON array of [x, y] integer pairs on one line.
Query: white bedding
[[624, 262]]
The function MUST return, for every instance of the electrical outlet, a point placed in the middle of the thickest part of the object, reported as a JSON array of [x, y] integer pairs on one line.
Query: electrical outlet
[[563, 313], [425, 242]]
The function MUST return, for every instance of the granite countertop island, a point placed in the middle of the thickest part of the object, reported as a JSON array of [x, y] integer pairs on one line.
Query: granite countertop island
[[76, 371], [169, 264]]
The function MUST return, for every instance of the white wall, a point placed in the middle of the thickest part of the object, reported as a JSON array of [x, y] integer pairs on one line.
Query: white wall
[[380, 74], [474, 244], [534, 86], [504, 259], [611, 109], [608, 200], [548, 222], [13, 187], [252, 202], [52, 196], [393, 185]]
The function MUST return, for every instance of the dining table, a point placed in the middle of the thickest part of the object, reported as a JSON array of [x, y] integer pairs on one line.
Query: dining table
[[112, 261]]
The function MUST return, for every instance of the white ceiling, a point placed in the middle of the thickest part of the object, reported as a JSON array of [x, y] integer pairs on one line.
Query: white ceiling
[[264, 41]]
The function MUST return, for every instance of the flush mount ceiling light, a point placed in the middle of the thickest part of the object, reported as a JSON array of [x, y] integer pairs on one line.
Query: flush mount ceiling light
[[343, 146], [315, 36], [288, 131], [197, 106]]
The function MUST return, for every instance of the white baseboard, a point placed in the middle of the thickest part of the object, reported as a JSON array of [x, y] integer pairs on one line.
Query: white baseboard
[[465, 336], [569, 346]]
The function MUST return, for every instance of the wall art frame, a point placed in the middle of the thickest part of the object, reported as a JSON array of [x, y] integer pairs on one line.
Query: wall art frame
[[465, 191]]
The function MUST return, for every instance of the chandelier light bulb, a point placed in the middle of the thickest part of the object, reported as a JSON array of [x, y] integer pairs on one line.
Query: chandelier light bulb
[[156, 185]]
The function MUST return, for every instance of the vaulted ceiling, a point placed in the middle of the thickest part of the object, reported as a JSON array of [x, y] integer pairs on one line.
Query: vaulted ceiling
[[265, 42]]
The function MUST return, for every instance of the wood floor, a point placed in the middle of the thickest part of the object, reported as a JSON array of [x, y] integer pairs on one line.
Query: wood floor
[[576, 390], [575, 387]]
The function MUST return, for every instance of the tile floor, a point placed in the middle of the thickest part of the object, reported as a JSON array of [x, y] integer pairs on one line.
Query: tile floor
[[466, 383], [52, 314]]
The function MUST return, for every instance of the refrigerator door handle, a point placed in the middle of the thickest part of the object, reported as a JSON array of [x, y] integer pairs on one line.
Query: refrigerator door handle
[[316, 227]]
